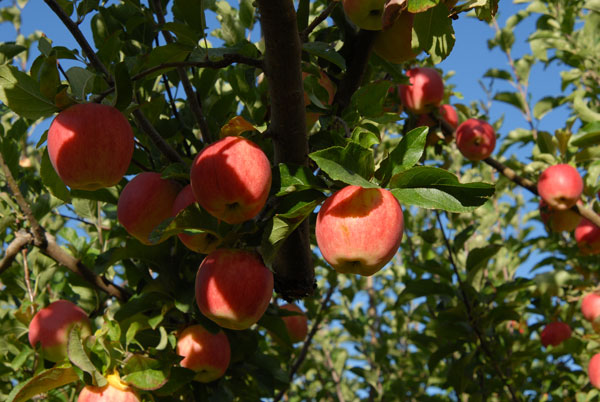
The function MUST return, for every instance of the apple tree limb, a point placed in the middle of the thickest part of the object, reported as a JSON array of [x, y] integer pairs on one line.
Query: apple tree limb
[[293, 266]]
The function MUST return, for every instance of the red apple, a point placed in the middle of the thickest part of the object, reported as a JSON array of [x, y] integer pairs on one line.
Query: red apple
[[51, 325], [594, 370], [555, 333], [231, 179], [475, 139], [296, 325], [394, 44], [359, 229], [90, 146], [590, 306], [558, 220], [325, 82], [365, 14], [145, 202], [202, 243], [206, 353], [587, 236], [233, 288], [425, 92], [560, 186], [115, 391]]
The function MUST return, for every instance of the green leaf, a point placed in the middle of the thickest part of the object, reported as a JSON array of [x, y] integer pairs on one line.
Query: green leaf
[[8, 50], [478, 259], [81, 81], [404, 156], [48, 77], [172, 52], [418, 6], [351, 164], [123, 87], [273, 323], [583, 110], [424, 287], [86, 208], [587, 136], [545, 143], [498, 73], [80, 359], [430, 187], [512, 98], [145, 373], [275, 232], [192, 220], [369, 99], [21, 94], [545, 105], [297, 178], [325, 51], [434, 32], [43, 382], [52, 181]]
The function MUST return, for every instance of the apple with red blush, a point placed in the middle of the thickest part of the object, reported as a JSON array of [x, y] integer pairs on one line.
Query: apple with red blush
[[114, 391], [359, 229], [560, 186], [205, 352], [475, 139], [555, 333]]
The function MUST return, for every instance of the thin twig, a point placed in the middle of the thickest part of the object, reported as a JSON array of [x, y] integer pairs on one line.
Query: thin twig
[[320, 18], [156, 138], [315, 327], [195, 105], [27, 279], [21, 240], [334, 376], [469, 309]]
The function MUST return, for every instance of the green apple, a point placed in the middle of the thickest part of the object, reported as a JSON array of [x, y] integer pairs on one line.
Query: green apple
[[366, 14]]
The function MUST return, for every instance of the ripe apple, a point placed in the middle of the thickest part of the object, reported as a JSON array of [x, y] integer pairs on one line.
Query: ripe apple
[[590, 306], [560, 186], [231, 179], [206, 353], [115, 391], [90, 146], [359, 229], [365, 14], [233, 288], [558, 220], [51, 325], [587, 236], [296, 325], [325, 82], [425, 92], [594, 370], [202, 243], [394, 44], [145, 202], [555, 333], [475, 139]]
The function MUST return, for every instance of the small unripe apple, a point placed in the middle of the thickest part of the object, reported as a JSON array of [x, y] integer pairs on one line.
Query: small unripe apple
[[51, 325], [365, 14], [425, 92], [475, 139], [144, 203], [202, 243], [594, 370], [394, 44], [206, 353], [231, 179], [114, 391], [296, 325], [90, 146], [233, 288], [359, 229], [555, 333], [560, 186], [557, 220], [587, 236]]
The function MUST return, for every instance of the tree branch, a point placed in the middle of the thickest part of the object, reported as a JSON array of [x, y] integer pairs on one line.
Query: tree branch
[[21, 240], [294, 271], [78, 35], [313, 330], [156, 138], [195, 105], [320, 18]]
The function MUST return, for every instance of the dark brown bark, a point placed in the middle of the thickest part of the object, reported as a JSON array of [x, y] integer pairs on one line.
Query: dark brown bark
[[294, 271]]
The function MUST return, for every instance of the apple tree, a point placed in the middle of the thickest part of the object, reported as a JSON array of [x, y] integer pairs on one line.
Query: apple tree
[[348, 232]]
